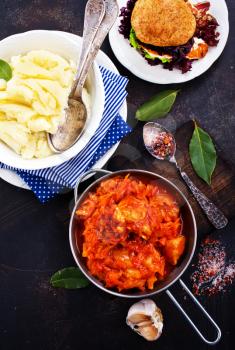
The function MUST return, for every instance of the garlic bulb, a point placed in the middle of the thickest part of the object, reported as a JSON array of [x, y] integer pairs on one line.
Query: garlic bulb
[[146, 319]]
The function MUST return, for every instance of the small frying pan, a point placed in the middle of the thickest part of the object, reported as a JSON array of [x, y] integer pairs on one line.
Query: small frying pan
[[189, 229]]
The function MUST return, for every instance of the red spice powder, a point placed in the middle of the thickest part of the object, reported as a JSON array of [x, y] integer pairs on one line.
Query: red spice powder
[[213, 272], [163, 145]]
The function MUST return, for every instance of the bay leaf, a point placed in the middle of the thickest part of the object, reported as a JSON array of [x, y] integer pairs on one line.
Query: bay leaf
[[5, 70], [157, 107], [69, 278], [202, 154]]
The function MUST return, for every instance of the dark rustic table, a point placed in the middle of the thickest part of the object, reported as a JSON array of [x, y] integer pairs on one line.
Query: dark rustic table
[[34, 237]]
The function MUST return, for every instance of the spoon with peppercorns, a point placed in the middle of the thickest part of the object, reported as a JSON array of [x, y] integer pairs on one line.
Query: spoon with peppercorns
[[160, 143]]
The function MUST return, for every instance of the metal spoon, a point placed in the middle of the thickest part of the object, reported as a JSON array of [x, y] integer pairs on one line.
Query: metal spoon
[[75, 115], [150, 132], [110, 16], [94, 29]]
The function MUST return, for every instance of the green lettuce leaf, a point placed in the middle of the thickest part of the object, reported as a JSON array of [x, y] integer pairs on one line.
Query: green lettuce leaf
[[133, 39], [147, 55], [163, 59]]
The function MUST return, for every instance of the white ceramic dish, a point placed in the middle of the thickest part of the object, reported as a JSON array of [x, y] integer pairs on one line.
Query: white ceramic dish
[[135, 63], [103, 60], [55, 42]]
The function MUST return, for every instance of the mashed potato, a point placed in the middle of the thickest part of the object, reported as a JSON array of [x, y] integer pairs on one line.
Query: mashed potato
[[32, 102]]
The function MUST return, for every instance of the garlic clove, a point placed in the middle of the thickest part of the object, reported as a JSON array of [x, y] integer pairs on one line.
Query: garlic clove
[[146, 319], [150, 333], [136, 318]]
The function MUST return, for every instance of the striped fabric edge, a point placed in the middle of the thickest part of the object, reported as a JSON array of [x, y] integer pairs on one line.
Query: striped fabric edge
[[48, 189]]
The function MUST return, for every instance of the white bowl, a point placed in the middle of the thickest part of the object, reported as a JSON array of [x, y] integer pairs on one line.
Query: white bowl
[[135, 63], [55, 42]]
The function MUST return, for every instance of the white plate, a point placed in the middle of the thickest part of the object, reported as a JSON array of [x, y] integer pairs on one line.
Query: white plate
[[135, 63], [70, 49], [103, 60]]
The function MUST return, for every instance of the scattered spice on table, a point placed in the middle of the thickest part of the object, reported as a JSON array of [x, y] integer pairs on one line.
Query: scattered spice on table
[[214, 273], [163, 145]]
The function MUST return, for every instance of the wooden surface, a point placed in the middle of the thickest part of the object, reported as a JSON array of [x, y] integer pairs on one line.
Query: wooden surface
[[222, 184], [34, 237]]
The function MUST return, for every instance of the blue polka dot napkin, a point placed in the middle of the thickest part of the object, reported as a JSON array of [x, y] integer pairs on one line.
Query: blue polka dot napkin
[[47, 183]]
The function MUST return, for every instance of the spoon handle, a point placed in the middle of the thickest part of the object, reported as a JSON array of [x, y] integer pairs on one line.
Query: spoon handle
[[111, 13], [214, 215], [94, 14]]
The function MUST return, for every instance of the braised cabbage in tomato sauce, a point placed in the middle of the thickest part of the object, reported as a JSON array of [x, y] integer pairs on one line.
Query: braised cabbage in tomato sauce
[[131, 232]]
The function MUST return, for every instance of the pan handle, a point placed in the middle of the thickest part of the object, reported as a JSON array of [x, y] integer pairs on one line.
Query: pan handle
[[92, 171], [209, 342]]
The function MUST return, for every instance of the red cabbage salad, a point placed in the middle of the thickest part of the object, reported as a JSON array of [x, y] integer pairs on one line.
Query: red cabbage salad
[[180, 57]]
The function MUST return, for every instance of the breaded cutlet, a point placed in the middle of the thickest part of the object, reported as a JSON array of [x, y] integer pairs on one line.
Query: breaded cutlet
[[163, 22]]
